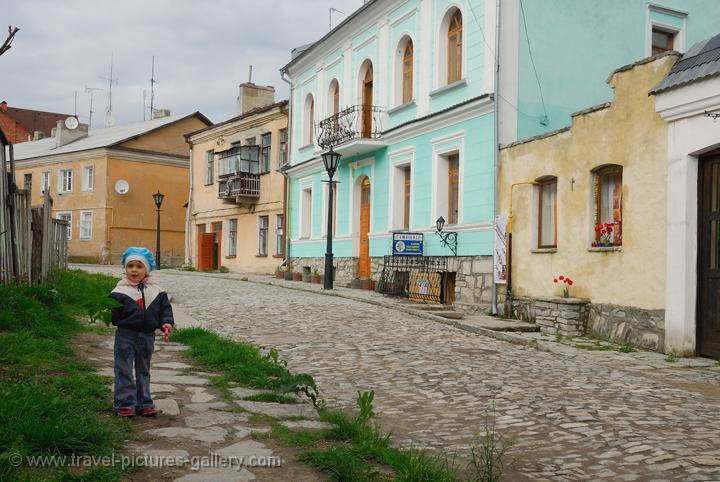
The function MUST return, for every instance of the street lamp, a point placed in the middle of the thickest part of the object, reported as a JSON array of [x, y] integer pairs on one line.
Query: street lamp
[[447, 238], [158, 198], [331, 159]]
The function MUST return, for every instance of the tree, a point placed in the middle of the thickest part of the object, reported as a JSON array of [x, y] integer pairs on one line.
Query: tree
[[11, 35]]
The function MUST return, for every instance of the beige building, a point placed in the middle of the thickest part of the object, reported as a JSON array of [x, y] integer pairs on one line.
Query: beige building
[[236, 219], [102, 182], [595, 212]]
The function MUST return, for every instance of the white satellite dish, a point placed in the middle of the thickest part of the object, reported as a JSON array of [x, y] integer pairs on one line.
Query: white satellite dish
[[71, 123], [122, 186], [110, 121]]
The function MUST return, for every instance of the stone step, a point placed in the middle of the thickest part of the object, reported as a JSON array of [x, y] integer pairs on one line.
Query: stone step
[[424, 307], [450, 315]]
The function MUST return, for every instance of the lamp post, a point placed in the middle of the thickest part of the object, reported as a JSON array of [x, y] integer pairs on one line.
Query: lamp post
[[158, 198], [331, 160], [447, 238]]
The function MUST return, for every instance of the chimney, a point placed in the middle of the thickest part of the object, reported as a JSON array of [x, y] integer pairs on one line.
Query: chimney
[[37, 135], [254, 96], [63, 135], [160, 113]]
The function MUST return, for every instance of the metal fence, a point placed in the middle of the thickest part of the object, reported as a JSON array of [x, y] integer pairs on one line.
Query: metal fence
[[421, 278]]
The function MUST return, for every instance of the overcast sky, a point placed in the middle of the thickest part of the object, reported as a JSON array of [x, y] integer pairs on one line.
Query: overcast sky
[[202, 51]]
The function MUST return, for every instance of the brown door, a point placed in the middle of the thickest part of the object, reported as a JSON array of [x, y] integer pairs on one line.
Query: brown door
[[708, 308], [364, 262], [367, 103], [206, 245], [217, 245]]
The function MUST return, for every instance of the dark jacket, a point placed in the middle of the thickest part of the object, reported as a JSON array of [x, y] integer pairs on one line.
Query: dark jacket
[[145, 308]]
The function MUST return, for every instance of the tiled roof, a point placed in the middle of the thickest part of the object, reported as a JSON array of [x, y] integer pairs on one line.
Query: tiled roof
[[35, 120], [702, 61]]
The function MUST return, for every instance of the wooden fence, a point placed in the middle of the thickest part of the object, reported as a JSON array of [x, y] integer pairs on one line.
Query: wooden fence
[[31, 241]]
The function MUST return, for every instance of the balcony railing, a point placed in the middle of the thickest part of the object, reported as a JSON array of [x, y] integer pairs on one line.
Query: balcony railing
[[354, 122], [242, 184]]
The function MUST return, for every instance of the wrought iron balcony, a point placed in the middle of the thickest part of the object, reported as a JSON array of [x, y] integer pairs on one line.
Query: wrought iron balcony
[[353, 130], [242, 184], [239, 173]]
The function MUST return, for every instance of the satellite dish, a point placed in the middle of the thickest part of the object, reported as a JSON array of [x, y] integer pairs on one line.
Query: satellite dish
[[110, 121], [122, 186], [71, 123]]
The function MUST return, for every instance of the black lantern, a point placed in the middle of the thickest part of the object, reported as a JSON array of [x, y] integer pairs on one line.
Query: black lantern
[[331, 159], [440, 224], [447, 238], [158, 198]]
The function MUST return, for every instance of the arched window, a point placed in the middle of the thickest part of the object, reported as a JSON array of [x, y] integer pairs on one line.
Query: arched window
[[333, 102], [407, 73], [308, 136], [454, 48]]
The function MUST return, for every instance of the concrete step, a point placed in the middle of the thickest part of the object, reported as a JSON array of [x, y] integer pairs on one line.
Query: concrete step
[[450, 315]]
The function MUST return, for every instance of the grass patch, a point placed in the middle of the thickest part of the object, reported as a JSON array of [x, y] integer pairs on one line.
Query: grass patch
[[296, 438], [672, 357], [51, 402], [271, 397]]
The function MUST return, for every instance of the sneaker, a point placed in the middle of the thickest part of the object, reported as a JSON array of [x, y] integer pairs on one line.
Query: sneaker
[[148, 411], [125, 412]]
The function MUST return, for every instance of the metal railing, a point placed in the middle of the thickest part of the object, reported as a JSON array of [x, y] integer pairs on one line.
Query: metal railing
[[243, 184], [354, 122], [421, 278]]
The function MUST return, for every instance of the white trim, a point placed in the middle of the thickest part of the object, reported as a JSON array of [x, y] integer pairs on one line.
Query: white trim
[[509, 73], [88, 186], [45, 185], [61, 181], [365, 42], [460, 228], [439, 152], [448, 138], [334, 62], [396, 188], [678, 41], [440, 74], [80, 235], [305, 218], [401, 152]]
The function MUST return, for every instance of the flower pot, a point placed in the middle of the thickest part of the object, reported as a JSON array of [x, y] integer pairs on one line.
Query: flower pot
[[306, 278], [297, 276], [368, 284], [316, 278], [279, 274], [288, 275]]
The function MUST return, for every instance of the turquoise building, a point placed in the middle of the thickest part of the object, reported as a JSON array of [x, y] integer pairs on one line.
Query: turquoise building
[[407, 90]]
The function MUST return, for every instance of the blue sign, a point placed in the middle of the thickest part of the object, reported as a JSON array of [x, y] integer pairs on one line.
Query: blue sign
[[407, 244]]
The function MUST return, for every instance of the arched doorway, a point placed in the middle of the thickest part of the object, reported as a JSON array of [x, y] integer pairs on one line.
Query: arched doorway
[[363, 270], [367, 101]]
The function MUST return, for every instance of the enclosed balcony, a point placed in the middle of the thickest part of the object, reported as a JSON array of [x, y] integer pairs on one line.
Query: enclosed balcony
[[239, 174], [352, 131]]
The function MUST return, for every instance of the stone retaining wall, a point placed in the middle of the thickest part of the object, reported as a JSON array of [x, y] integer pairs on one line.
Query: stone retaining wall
[[562, 316]]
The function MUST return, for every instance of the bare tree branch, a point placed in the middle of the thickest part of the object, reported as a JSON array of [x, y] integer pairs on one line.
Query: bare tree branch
[[11, 35]]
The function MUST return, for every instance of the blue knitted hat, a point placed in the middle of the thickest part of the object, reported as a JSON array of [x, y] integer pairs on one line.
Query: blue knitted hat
[[135, 253]]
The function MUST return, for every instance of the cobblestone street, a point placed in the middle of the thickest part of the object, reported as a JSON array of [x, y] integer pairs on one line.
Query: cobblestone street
[[580, 416]]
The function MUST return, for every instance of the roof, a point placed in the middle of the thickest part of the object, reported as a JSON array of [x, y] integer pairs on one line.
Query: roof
[[701, 62], [306, 49], [107, 137], [250, 113], [35, 120]]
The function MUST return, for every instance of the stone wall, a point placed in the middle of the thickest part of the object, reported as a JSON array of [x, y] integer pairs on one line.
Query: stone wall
[[561, 316], [625, 324], [473, 276]]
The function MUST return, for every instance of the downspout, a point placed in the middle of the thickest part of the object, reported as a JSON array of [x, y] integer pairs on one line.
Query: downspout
[[287, 183], [496, 141], [508, 293], [188, 231]]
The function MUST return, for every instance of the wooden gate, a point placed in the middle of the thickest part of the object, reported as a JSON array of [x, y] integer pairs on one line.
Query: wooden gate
[[708, 293]]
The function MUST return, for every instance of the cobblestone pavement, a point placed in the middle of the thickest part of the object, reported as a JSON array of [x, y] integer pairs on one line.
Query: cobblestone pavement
[[578, 415]]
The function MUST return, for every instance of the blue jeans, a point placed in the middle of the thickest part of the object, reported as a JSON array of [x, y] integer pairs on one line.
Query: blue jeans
[[133, 348]]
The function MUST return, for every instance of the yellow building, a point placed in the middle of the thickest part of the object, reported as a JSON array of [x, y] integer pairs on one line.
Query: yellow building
[[596, 213], [102, 182], [237, 189]]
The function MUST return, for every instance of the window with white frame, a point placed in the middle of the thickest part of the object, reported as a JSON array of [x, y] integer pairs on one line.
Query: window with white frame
[[86, 222], [263, 224], [65, 181], [279, 235], [265, 149], [45, 183], [209, 167], [607, 206], [88, 178], [401, 195], [404, 68], [309, 121], [546, 191], [446, 184], [666, 30], [67, 216], [232, 237], [450, 48], [305, 212], [282, 158]]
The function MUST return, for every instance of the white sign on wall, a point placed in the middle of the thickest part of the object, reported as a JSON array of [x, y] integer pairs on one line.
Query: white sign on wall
[[500, 249]]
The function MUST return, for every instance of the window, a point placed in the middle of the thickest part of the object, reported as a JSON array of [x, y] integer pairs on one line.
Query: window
[[67, 217], [65, 181], [406, 198], [334, 97], [407, 73], [262, 235], [305, 212], [86, 220], [232, 237], [454, 48], [45, 185], [662, 41], [607, 194], [282, 158], [265, 152], [27, 182], [209, 167], [279, 235], [547, 213], [309, 121], [88, 178], [250, 141], [453, 188]]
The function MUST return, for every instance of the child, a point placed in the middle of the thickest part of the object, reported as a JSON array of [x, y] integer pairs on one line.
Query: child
[[145, 308]]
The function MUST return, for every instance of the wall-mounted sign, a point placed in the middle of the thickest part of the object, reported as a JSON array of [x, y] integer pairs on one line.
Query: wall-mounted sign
[[407, 244], [500, 249]]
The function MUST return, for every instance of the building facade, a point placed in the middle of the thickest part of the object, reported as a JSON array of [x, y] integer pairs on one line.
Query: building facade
[[102, 182], [588, 204], [236, 212], [23, 125], [405, 91]]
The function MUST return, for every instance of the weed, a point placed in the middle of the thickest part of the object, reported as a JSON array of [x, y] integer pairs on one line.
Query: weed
[[488, 453], [224, 269], [624, 348], [672, 357], [270, 397], [341, 463], [365, 403]]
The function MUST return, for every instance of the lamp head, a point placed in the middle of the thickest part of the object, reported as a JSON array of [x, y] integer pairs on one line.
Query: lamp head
[[331, 159], [158, 198], [440, 224]]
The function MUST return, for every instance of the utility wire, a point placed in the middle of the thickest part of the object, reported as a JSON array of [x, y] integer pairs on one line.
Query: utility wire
[[532, 61]]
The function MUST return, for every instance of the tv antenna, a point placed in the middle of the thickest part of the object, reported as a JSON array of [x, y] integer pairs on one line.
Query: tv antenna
[[152, 89], [91, 91], [330, 11], [109, 121]]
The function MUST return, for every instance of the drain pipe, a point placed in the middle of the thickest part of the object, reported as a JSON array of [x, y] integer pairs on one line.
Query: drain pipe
[[287, 182], [188, 230], [496, 150], [508, 295]]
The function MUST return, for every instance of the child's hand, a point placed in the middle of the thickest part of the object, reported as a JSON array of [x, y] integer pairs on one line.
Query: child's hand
[[167, 329]]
